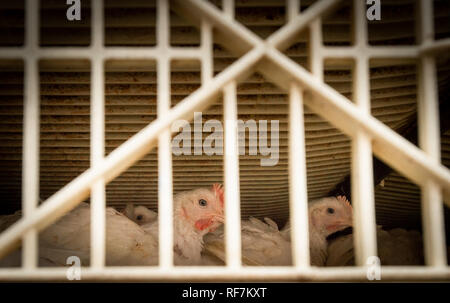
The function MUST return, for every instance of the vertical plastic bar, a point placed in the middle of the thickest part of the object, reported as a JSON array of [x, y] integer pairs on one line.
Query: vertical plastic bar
[[98, 203], [228, 8], [429, 141], [315, 50], [297, 153], [292, 8], [207, 52], [30, 167], [298, 195], [232, 192], [165, 191], [362, 167]]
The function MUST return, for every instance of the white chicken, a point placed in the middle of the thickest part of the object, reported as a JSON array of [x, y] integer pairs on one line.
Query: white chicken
[[262, 244], [126, 242], [326, 216], [210, 201], [140, 214], [395, 247], [196, 212]]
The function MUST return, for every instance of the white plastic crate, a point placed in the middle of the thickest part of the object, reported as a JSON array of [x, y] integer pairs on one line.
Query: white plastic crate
[[367, 133]]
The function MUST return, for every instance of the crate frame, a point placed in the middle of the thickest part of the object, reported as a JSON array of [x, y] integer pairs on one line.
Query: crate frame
[[422, 165]]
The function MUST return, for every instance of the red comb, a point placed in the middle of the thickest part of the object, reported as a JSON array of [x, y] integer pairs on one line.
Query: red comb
[[218, 191], [344, 200]]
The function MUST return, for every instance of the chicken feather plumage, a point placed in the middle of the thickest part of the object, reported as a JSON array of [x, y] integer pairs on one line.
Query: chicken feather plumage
[[196, 213]]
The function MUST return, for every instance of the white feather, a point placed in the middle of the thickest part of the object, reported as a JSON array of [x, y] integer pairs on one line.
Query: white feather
[[262, 243]]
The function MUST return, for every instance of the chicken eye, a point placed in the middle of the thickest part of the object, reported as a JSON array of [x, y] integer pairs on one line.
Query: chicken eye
[[330, 210], [202, 202], [139, 217]]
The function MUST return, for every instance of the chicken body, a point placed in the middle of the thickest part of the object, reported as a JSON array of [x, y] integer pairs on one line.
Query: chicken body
[[196, 213], [262, 243], [395, 247], [326, 216], [126, 242], [140, 214], [191, 222]]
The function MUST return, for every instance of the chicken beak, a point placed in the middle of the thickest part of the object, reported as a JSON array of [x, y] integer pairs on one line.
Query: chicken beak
[[346, 223], [349, 221], [340, 225]]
